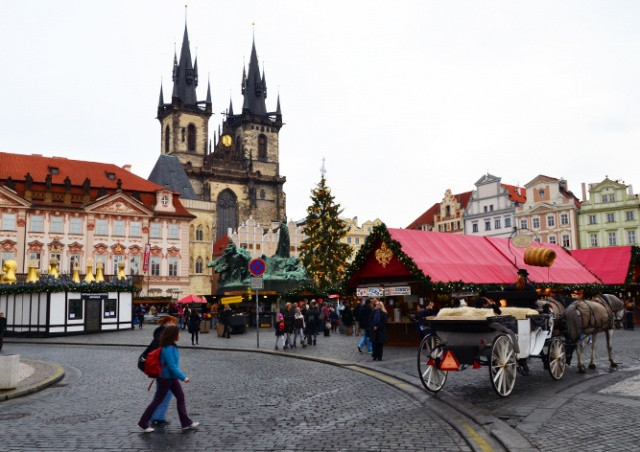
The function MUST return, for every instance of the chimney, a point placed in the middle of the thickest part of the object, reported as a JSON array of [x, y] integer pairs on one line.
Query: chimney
[[126, 167], [630, 188], [584, 192]]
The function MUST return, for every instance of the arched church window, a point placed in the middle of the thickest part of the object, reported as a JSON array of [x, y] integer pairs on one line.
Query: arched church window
[[262, 147], [199, 265], [167, 133], [191, 138], [227, 212], [199, 233]]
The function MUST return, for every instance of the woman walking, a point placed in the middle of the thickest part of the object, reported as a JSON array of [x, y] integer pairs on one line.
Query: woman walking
[[378, 330], [169, 381], [194, 326]]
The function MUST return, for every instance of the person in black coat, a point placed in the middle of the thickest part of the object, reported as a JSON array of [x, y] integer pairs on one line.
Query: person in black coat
[[288, 313], [347, 319], [194, 326], [378, 330], [356, 317], [311, 319], [365, 314], [225, 319]]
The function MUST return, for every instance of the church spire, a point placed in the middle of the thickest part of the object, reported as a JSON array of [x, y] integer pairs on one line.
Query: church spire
[[253, 87], [185, 75]]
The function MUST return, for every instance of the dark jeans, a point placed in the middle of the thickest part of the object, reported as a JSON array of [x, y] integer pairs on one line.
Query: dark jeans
[[194, 334], [377, 350], [165, 385]]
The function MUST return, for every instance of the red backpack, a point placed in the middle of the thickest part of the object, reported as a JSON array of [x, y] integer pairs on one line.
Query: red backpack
[[152, 366]]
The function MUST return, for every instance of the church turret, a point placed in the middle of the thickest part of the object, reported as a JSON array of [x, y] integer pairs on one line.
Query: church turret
[[253, 87]]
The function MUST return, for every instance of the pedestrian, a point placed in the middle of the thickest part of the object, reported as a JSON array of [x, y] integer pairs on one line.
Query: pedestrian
[[312, 316], [140, 315], [194, 326], [365, 313], [298, 328], [181, 316], [325, 315], [214, 314], [225, 319], [169, 381], [356, 317], [288, 313], [280, 330], [3, 327], [159, 416], [347, 319], [378, 328], [334, 317]]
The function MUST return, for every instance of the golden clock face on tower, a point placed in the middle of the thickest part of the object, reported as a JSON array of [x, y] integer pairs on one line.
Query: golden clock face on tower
[[226, 140]]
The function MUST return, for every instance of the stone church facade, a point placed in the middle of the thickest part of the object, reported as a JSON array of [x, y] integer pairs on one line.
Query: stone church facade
[[232, 176]]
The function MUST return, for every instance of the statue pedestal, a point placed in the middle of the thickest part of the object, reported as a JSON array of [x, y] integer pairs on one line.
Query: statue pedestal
[[9, 371]]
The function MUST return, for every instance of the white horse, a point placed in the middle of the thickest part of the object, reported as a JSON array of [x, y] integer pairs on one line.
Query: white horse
[[590, 317]]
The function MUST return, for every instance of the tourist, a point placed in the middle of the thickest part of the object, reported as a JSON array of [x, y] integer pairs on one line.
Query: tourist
[[140, 315], [325, 316], [311, 319], [280, 330], [356, 317], [169, 381], [347, 319], [288, 313], [378, 329], [298, 328], [365, 313], [225, 319], [194, 326]]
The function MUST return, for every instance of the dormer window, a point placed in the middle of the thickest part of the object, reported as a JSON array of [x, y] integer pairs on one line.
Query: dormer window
[[110, 176], [165, 201], [53, 170]]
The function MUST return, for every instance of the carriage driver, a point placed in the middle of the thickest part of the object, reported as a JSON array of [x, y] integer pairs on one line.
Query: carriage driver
[[522, 283]]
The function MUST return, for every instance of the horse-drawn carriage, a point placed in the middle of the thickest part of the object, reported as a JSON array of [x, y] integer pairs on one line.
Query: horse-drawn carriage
[[499, 338]]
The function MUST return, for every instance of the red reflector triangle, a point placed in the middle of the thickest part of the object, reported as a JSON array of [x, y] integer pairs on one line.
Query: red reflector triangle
[[449, 361], [476, 364], [430, 362]]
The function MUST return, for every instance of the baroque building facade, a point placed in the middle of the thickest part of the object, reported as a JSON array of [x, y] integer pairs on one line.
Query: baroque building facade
[[550, 211], [609, 216], [492, 206], [233, 176], [86, 212]]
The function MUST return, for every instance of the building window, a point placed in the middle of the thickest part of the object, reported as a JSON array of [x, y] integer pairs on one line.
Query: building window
[[6, 255], [349, 240], [166, 139], [156, 230], [487, 225], [486, 208], [507, 222], [565, 241], [491, 208], [474, 227], [592, 219], [117, 258], [174, 231], [109, 308], [101, 227], [36, 223], [173, 266], [75, 310], [536, 223], [134, 229], [551, 221], [631, 237], [564, 218], [191, 138], [609, 198], [76, 226], [594, 240], [134, 265], [155, 266], [629, 215], [58, 257], [56, 225], [118, 228], [610, 218], [35, 256], [357, 240], [262, 147], [199, 265], [497, 223], [523, 224], [8, 221], [199, 233], [74, 260], [612, 238], [102, 259]]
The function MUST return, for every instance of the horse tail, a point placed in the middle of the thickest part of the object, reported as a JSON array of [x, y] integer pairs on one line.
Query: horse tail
[[573, 321]]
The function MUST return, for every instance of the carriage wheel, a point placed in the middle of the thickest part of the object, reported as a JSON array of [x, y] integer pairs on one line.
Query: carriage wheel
[[503, 365], [429, 357], [557, 358]]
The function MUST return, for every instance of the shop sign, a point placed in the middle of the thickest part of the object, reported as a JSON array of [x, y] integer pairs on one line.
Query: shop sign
[[397, 291], [369, 292]]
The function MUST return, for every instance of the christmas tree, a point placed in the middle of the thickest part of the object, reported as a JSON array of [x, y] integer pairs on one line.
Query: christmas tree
[[322, 253]]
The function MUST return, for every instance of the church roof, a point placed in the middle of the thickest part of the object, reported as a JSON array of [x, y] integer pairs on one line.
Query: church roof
[[169, 173], [254, 87]]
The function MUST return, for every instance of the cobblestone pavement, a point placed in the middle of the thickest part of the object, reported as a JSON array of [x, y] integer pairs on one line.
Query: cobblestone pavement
[[577, 413], [244, 402]]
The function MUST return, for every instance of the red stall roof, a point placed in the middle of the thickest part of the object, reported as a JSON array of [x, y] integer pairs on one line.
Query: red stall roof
[[610, 264]]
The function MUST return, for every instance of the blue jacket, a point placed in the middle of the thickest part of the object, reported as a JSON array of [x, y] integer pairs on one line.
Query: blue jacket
[[170, 360]]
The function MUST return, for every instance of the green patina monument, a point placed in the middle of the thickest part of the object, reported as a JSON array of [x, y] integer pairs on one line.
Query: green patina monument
[[283, 273]]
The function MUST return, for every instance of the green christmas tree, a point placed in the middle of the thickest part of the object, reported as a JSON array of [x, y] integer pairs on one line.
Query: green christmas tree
[[322, 253]]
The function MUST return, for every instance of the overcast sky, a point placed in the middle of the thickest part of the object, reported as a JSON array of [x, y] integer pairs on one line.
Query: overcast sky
[[403, 99]]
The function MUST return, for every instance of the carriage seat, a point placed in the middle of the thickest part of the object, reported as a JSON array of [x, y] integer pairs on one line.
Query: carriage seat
[[469, 313]]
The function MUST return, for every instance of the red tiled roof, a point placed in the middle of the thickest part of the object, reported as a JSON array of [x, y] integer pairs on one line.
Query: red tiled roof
[[16, 166], [425, 218], [516, 194], [463, 198], [220, 245]]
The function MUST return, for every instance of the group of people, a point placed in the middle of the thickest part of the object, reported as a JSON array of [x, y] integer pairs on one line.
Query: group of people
[[372, 321]]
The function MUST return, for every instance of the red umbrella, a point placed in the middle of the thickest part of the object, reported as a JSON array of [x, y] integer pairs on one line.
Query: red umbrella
[[191, 299]]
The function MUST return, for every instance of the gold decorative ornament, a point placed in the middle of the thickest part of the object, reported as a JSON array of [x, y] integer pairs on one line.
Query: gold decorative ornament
[[9, 269], [121, 275], [226, 140], [384, 255], [522, 240], [99, 272], [89, 276], [32, 275], [76, 273], [53, 267]]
